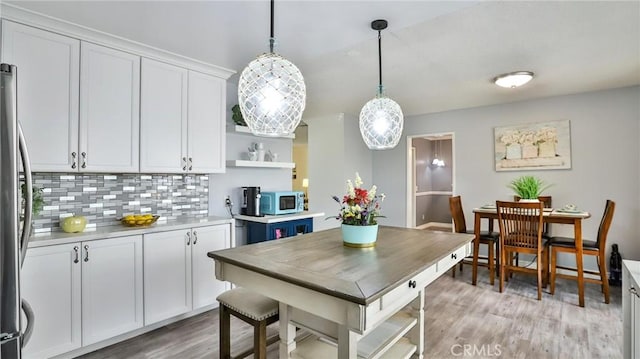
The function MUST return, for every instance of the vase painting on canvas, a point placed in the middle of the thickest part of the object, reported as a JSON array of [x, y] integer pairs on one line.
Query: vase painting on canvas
[[543, 145]]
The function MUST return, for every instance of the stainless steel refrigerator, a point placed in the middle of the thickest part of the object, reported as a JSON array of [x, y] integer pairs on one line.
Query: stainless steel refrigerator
[[14, 331]]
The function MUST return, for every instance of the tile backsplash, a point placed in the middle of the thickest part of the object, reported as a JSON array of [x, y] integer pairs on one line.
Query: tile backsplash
[[104, 198]]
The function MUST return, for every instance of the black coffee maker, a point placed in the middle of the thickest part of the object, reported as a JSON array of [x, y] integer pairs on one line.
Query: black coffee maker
[[251, 202]]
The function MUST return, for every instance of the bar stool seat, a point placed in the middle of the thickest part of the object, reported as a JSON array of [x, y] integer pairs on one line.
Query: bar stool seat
[[254, 309]]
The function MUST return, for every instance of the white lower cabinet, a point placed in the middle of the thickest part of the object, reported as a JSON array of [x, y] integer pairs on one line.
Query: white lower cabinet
[[631, 308], [50, 282], [205, 285], [90, 290], [178, 275]]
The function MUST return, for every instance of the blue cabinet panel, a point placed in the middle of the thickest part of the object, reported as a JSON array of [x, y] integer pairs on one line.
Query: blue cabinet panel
[[260, 232]]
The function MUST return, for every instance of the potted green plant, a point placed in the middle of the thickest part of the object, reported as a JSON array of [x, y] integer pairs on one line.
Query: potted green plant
[[38, 201], [528, 187], [237, 117]]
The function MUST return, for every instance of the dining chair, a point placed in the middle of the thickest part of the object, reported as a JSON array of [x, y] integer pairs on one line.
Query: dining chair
[[521, 232], [593, 248], [546, 227], [486, 237]]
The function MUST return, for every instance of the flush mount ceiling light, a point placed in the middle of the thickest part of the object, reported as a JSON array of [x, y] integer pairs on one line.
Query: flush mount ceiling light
[[513, 79], [272, 93], [381, 118]]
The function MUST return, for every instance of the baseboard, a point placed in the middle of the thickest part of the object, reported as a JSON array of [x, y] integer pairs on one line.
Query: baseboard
[[434, 224]]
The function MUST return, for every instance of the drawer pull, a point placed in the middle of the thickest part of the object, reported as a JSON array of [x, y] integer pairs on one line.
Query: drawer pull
[[86, 253], [633, 291], [412, 284], [73, 158], [188, 238], [454, 256], [77, 259]]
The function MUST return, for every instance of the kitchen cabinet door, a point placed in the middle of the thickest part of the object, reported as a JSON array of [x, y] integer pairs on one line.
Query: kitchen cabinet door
[[111, 288], [163, 118], [109, 110], [50, 282], [48, 92], [205, 285], [207, 132], [167, 275]]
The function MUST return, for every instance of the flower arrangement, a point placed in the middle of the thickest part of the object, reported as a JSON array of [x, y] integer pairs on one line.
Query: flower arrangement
[[359, 207]]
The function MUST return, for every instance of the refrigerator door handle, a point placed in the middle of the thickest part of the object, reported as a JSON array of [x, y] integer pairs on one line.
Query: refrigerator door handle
[[31, 320], [28, 210]]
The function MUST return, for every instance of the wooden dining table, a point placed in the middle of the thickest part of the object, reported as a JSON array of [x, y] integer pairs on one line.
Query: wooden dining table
[[549, 216]]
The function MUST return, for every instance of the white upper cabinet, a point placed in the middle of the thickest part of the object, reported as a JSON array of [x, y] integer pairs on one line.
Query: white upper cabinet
[[163, 118], [48, 92], [109, 110], [182, 120], [206, 129]]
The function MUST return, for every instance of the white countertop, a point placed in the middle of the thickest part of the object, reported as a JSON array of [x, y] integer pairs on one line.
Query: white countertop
[[121, 231], [280, 218]]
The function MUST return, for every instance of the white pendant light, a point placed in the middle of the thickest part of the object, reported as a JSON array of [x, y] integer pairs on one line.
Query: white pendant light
[[513, 79], [272, 93], [381, 118]]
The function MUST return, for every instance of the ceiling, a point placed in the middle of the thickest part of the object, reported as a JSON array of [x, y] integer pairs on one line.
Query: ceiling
[[436, 55]]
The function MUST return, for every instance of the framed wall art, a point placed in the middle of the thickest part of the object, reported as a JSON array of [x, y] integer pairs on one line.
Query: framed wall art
[[534, 146]]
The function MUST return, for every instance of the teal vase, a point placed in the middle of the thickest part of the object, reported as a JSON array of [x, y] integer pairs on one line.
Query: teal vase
[[359, 236]]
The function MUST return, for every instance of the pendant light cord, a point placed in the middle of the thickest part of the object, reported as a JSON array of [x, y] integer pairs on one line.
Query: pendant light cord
[[272, 40], [380, 61]]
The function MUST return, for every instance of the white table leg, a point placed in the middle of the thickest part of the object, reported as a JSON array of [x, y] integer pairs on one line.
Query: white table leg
[[416, 335], [287, 332], [347, 343]]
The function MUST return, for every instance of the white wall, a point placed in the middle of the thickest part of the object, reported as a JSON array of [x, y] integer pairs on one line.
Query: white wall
[[605, 129], [229, 183], [336, 153]]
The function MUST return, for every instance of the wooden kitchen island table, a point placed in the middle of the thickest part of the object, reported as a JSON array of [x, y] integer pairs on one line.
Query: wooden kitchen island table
[[370, 302]]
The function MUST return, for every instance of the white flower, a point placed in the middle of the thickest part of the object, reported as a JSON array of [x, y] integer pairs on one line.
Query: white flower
[[356, 208], [382, 197], [358, 180], [372, 193], [350, 190]]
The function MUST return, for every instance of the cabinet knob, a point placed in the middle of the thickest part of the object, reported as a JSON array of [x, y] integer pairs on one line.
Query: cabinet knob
[[412, 284]]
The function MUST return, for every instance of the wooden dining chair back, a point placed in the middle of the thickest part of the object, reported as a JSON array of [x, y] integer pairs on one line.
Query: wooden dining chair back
[[521, 232], [595, 248], [459, 223], [488, 238], [546, 203]]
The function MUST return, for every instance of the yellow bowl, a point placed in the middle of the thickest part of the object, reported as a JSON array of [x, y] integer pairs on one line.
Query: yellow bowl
[[138, 221]]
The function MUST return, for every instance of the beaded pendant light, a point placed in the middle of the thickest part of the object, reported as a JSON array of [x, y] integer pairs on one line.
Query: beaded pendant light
[[381, 118], [271, 93]]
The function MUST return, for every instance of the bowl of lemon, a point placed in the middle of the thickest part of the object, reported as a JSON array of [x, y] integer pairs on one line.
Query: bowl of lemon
[[139, 220]]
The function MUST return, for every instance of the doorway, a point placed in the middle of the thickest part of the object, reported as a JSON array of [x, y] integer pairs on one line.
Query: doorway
[[430, 180]]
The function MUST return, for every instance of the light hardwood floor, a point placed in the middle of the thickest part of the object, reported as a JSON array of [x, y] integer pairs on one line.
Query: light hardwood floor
[[458, 316]]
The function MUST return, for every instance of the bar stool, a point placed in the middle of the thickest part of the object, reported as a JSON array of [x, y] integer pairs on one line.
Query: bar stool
[[252, 308]]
